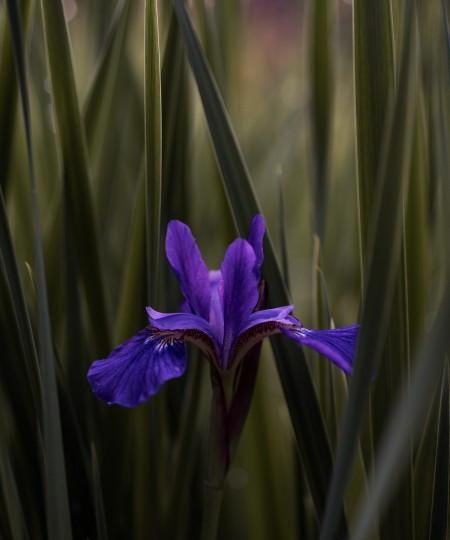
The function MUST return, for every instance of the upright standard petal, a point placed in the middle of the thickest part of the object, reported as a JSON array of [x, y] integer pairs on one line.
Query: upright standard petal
[[338, 344], [186, 260], [136, 369], [256, 239], [216, 306], [240, 291]]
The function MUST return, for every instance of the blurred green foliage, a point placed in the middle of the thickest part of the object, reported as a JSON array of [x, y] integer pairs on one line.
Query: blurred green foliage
[[332, 117]]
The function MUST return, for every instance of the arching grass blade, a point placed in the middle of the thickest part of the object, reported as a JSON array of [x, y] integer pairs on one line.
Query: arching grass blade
[[57, 505], [153, 145], [99, 82], [8, 99], [296, 381], [75, 166], [321, 71], [439, 520], [407, 420], [384, 256]]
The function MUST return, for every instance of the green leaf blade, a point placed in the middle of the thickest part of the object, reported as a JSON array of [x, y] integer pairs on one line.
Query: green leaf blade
[[57, 504], [75, 166], [296, 381], [153, 145], [383, 268]]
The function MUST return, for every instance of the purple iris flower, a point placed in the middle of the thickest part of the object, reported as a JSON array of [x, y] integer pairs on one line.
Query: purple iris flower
[[221, 315]]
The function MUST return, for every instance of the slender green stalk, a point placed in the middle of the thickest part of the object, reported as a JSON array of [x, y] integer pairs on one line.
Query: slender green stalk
[[294, 374], [382, 270], [282, 234], [406, 420], [374, 80], [216, 461], [185, 454], [153, 144], [8, 94], [57, 501], [321, 68], [76, 167], [212, 506]]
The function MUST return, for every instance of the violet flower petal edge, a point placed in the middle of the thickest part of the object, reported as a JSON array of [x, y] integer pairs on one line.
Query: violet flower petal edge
[[178, 321], [240, 291], [185, 327], [187, 262], [216, 306], [256, 238], [337, 344], [136, 369], [259, 325]]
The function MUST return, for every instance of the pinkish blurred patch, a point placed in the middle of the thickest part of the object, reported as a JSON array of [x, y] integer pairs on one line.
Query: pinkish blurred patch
[[70, 9], [275, 22], [274, 29], [277, 12]]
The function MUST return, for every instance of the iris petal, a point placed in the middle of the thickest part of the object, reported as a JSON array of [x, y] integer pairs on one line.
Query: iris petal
[[256, 238], [216, 306], [338, 344], [186, 260], [260, 325], [279, 314], [185, 327], [136, 369], [240, 291]]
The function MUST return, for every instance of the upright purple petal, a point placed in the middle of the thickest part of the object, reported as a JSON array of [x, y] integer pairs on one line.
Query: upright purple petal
[[186, 260], [338, 344], [256, 238], [240, 291], [216, 305], [136, 369]]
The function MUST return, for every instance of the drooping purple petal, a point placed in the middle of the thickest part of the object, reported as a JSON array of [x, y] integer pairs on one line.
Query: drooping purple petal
[[186, 260], [338, 344], [184, 327], [136, 369], [240, 291], [256, 239]]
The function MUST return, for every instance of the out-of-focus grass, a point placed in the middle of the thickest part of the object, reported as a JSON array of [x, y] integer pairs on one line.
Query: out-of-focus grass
[[120, 146]]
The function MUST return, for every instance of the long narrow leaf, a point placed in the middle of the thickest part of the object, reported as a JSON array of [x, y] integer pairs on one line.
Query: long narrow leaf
[[99, 101], [8, 100], [282, 235], [382, 270], [99, 80], [98, 499], [446, 13], [9, 490], [321, 68], [439, 522], [374, 81], [57, 505], [175, 128], [75, 165], [153, 144], [295, 378], [406, 421], [9, 268]]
